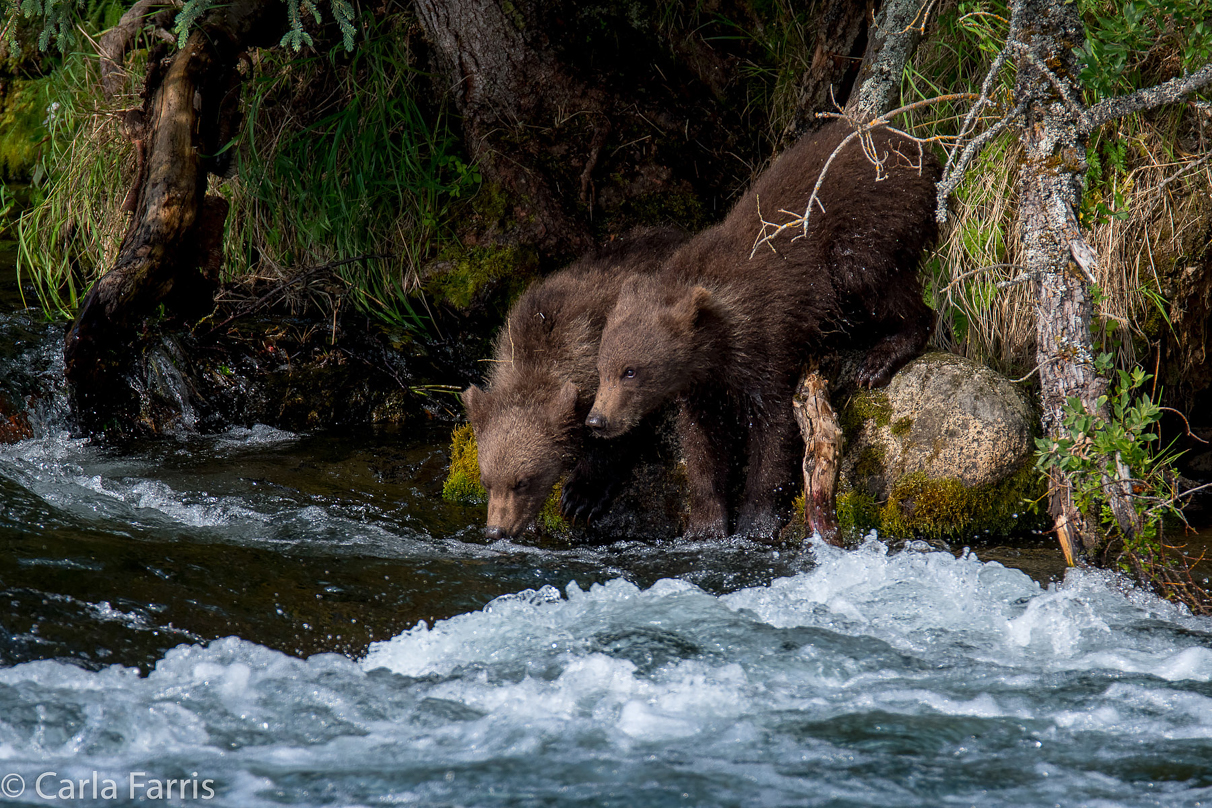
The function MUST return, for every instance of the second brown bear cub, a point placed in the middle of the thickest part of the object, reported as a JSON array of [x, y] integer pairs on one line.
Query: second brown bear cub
[[727, 335], [530, 421]]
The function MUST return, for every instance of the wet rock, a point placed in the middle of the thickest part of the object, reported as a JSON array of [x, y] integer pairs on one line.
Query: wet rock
[[14, 423]]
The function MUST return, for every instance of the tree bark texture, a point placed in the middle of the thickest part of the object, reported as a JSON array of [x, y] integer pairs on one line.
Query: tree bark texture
[[504, 76], [161, 247], [822, 455], [891, 41], [1055, 252]]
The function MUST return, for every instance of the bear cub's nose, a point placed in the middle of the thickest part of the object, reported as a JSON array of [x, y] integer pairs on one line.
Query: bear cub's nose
[[595, 421], [494, 533]]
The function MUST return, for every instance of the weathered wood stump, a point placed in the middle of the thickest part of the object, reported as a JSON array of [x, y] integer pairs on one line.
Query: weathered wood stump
[[822, 453]]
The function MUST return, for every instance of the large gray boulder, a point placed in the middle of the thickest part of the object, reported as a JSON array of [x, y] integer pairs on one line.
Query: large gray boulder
[[944, 450]]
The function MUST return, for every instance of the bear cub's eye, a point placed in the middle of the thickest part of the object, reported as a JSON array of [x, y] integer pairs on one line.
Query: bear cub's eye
[[629, 373]]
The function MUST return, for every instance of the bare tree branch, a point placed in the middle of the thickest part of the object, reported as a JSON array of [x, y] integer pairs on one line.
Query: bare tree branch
[[983, 99], [954, 172], [1184, 171], [1167, 93], [976, 271], [114, 43]]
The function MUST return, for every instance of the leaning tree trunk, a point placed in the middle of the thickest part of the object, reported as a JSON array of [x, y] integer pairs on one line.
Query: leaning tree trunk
[[176, 228]]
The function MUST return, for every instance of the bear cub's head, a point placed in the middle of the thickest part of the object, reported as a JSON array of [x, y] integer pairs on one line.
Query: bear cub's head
[[653, 348], [523, 448]]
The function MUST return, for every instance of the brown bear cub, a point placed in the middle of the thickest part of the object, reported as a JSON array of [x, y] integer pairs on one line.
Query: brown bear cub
[[727, 335], [530, 421]]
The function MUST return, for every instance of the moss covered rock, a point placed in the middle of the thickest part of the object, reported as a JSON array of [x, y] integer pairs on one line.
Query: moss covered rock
[[462, 484], [475, 276], [945, 451]]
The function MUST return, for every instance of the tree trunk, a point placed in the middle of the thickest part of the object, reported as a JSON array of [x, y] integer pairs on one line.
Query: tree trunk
[[167, 236], [587, 133], [1055, 252], [504, 76], [891, 41]]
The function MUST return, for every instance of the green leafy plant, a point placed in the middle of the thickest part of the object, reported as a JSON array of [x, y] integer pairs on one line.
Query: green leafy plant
[[1094, 448], [1118, 447], [1120, 39]]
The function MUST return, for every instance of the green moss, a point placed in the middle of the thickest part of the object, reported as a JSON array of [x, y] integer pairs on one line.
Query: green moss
[[23, 109], [857, 512], [901, 426], [550, 519], [870, 462], [463, 482], [919, 506], [865, 405], [491, 204], [471, 274], [942, 509]]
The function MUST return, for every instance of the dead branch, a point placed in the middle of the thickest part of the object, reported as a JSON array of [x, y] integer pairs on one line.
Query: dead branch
[[1150, 97], [114, 44], [953, 172], [983, 99], [770, 230], [1184, 171], [977, 271]]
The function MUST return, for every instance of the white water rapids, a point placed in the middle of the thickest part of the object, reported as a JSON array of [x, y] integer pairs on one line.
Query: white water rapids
[[873, 679]]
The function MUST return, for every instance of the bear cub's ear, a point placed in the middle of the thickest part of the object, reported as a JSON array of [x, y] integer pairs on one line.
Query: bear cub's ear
[[689, 309], [475, 401]]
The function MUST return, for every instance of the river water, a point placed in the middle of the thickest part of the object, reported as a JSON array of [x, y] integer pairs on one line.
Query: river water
[[261, 618]]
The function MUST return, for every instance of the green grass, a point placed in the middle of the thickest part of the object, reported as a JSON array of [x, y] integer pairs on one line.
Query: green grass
[[338, 160], [74, 228], [338, 163]]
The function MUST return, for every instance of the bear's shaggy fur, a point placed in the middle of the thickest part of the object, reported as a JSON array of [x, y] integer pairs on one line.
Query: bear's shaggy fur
[[529, 422], [727, 335]]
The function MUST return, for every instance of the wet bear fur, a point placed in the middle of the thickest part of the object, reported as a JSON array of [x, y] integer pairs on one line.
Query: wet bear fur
[[529, 421], [727, 335]]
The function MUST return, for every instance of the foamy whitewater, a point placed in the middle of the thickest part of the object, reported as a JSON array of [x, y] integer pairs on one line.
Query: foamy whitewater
[[914, 678]]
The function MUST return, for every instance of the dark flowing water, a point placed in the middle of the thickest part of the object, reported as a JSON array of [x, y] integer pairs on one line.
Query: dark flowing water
[[263, 618]]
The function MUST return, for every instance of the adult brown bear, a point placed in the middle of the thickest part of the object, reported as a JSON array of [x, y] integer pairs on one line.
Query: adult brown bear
[[727, 335], [530, 421]]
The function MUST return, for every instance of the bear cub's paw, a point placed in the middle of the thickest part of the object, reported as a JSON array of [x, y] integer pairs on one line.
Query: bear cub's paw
[[586, 496]]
